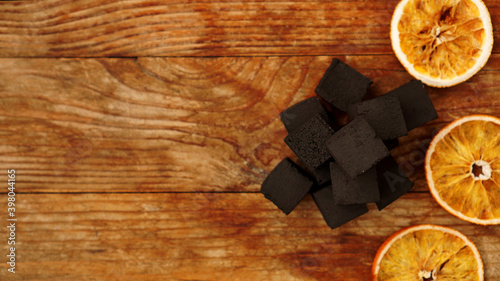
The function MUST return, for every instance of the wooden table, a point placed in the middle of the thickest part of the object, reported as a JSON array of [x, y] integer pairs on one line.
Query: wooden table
[[141, 130]]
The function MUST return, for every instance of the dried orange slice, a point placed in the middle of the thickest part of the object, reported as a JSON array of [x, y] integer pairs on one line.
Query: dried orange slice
[[442, 42], [462, 167], [427, 252]]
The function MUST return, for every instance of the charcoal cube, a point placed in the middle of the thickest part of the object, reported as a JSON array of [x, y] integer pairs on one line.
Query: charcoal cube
[[356, 147], [392, 181], [286, 185], [299, 113], [335, 215], [360, 190], [342, 85], [384, 114], [391, 144], [308, 142], [322, 173], [416, 105]]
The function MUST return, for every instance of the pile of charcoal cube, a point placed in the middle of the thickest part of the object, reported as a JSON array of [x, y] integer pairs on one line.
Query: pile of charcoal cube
[[347, 168]]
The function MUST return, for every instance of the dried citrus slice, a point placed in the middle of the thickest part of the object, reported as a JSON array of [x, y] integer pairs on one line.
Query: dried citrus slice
[[427, 252], [462, 167], [442, 42]]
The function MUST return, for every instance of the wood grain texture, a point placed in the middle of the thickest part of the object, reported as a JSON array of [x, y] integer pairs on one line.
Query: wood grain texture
[[141, 130], [210, 237], [184, 124], [88, 28]]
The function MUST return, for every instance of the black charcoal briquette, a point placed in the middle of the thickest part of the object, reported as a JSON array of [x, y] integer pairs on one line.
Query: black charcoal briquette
[[416, 105], [335, 215], [286, 185], [356, 147], [322, 173], [392, 181], [360, 190], [384, 114], [299, 113], [342, 85], [308, 142]]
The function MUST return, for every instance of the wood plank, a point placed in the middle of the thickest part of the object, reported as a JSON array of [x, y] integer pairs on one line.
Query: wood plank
[[104, 28], [88, 28], [209, 237], [184, 124]]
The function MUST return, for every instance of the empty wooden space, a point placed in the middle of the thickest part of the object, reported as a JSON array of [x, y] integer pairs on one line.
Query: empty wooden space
[[141, 131]]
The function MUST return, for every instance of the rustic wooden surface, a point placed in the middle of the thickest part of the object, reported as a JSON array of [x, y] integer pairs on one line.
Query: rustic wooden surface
[[199, 236], [141, 131]]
